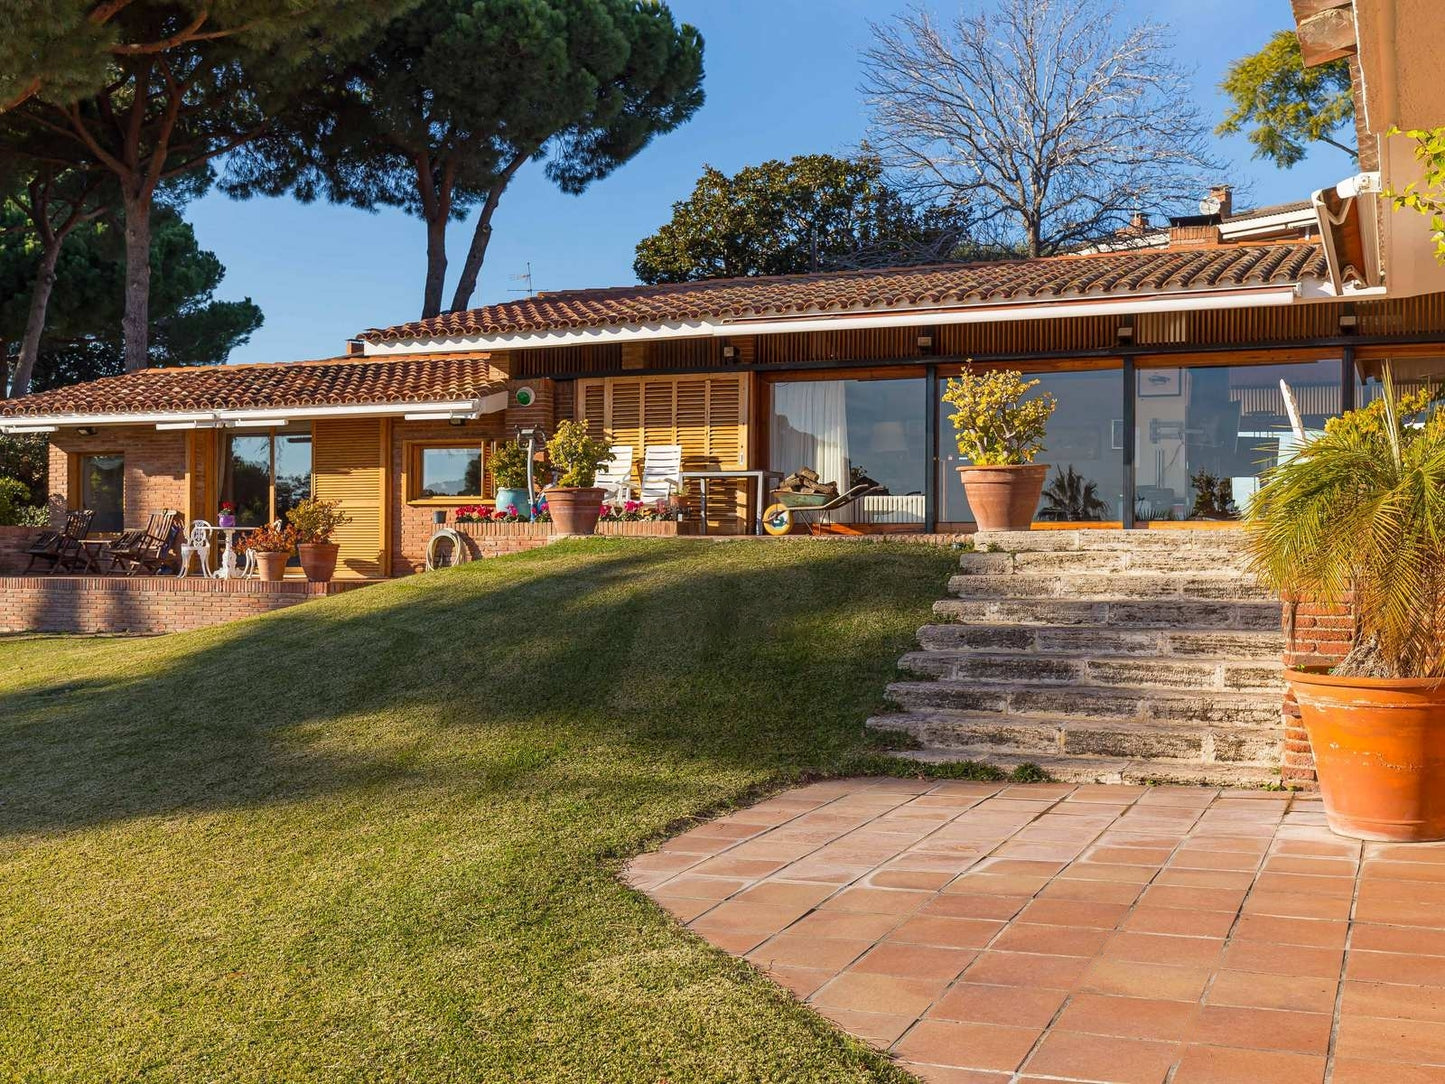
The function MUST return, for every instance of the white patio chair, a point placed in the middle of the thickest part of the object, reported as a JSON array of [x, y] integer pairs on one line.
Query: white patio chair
[[661, 472], [616, 477], [197, 544]]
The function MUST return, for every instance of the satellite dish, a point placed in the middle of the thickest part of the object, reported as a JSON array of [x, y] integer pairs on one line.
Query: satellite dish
[[1210, 205]]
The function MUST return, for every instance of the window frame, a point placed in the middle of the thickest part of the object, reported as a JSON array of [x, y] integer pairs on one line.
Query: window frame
[[411, 461], [76, 481]]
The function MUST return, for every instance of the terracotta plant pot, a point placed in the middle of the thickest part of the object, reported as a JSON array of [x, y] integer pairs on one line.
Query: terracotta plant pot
[[318, 560], [272, 566], [1004, 498], [574, 510], [1379, 746]]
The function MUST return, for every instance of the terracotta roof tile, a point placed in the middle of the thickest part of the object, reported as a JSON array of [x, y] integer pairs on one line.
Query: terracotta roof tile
[[1101, 274], [333, 382]]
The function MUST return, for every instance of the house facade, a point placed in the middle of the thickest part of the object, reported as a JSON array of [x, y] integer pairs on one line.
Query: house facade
[[1172, 352]]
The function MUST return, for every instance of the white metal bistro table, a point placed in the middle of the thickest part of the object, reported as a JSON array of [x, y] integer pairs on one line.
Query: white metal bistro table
[[228, 570], [759, 479]]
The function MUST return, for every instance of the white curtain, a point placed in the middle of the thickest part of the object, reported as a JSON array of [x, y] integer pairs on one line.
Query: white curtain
[[810, 429]]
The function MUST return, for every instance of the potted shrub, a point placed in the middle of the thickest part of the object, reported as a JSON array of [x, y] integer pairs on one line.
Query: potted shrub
[[315, 522], [509, 477], [573, 501], [1357, 517], [999, 432], [273, 547]]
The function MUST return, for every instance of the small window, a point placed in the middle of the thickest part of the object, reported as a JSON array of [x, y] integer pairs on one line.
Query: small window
[[449, 472], [102, 489]]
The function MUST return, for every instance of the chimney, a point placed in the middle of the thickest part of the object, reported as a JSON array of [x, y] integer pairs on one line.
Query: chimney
[[1193, 231], [355, 347], [1223, 196]]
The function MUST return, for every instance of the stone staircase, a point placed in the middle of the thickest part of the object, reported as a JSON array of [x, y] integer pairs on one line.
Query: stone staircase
[[1109, 656]]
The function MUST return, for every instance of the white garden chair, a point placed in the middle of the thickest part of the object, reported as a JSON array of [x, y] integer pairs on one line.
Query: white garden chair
[[616, 477], [661, 472], [197, 544]]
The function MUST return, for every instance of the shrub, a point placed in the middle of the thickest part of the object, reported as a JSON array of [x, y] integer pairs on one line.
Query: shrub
[[996, 425], [15, 507], [269, 539], [576, 455], [316, 520], [509, 466]]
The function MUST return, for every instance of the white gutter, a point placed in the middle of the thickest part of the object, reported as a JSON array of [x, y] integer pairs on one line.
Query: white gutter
[[256, 416]]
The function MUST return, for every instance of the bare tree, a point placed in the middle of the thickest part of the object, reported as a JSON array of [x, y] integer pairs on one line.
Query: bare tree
[[1054, 127]]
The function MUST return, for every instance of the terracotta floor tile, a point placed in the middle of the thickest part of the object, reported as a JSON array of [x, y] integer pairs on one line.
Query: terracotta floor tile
[[944, 1074], [1366, 937], [737, 942], [1301, 993], [949, 865], [997, 884], [703, 888], [803, 982], [726, 865], [1091, 891], [1181, 923], [797, 950], [1394, 967], [967, 1046], [1018, 1006], [880, 1029], [1262, 1029], [1405, 912], [786, 894], [1351, 1071], [844, 924], [1331, 848], [1205, 878], [825, 870], [878, 901], [1224, 1065], [1192, 899], [907, 878], [1298, 882], [1296, 905], [734, 916], [1104, 871], [1221, 860], [1128, 856], [1102, 1058], [683, 908], [1275, 959], [1026, 969], [1406, 852], [1016, 867], [970, 933], [1103, 916], [1404, 1002], [914, 961], [1313, 865], [1430, 872], [962, 905], [887, 994], [1127, 1017], [1154, 948], [1051, 940], [1126, 978], [1388, 1040], [1316, 933]]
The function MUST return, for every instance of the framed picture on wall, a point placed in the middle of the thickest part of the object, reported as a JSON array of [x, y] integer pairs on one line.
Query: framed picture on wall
[[1116, 434], [1159, 383]]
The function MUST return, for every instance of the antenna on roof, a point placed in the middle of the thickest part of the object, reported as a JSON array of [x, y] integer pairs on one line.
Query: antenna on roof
[[525, 277]]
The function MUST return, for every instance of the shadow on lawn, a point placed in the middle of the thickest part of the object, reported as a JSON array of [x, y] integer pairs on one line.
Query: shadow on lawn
[[760, 660]]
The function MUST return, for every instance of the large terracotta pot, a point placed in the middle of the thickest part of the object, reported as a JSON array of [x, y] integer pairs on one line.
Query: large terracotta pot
[[272, 566], [1004, 498], [574, 510], [1379, 746], [318, 560]]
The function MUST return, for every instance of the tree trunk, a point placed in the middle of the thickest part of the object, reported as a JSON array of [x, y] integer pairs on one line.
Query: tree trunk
[[482, 237], [436, 266], [35, 322], [135, 325]]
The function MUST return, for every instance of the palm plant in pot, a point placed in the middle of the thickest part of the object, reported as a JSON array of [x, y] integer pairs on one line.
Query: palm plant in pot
[[509, 477], [1000, 429], [273, 545], [315, 522], [573, 500], [1357, 519]]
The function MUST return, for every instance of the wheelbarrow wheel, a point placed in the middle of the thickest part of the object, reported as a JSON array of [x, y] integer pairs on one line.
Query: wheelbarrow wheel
[[778, 520]]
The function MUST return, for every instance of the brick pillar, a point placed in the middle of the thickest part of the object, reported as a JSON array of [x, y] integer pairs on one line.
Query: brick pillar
[[1318, 638]]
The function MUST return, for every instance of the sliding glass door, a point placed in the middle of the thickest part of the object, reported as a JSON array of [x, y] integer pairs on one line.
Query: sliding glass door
[[266, 474]]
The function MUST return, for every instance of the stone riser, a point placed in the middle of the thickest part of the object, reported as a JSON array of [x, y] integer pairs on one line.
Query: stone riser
[[1146, 673], [1051, 562], [1123, 614], [959, 731], [1220, 542], [1095, 642], [1067, 769], [1086, 702], [1121, 585]]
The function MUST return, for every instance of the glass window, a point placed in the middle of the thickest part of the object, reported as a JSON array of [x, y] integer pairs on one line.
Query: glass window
[[1411, 375], [102, 489], [266, 474], [1205, 434], [1083, 446], [292, 470], [852, 430], [449, 472]]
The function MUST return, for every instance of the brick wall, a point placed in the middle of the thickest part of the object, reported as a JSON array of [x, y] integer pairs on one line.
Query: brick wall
[[155, 467], [143, 604], [1316, 637], [14, 541]]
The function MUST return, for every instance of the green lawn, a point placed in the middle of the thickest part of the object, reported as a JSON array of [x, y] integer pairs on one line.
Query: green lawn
[[377, 837]]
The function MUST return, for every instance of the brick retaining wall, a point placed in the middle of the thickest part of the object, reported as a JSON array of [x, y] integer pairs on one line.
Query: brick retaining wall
[[144, 603], [1316, 637], [14, 541], [497, 539]]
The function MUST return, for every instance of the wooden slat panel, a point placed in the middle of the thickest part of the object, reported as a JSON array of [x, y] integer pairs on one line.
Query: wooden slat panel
[[348, 468]]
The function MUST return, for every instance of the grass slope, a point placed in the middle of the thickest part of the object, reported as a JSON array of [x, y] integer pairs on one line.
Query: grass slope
[[376, 837]]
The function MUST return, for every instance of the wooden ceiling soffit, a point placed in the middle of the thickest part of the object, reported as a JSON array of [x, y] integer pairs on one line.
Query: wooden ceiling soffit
[[1326, 30]]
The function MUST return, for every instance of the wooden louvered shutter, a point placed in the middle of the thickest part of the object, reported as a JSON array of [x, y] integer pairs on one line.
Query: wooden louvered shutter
[[592, 401], [348, 465]]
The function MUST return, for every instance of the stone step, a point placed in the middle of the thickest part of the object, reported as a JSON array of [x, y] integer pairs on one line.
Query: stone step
[[1119, 585], [1052, 562], [1129, 703], [1241, 614], [1050, 736], [1149, 673], [1087, 640], [1219, 540], [1085, 769]]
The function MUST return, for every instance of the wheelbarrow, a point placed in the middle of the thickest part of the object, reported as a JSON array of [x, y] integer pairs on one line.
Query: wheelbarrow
[[810, 509]]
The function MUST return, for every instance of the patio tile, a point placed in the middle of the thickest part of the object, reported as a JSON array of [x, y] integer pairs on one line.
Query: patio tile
[[1226, 1065], [702, 888], [1103, 1058], [1052, 940], [1302, 993], [1366, 937], [887, 994], [945, 932], [1296, 905], [728, 865], [882, 901], [1091, 891], [1275, 959], [1262, 1029], [844, 924], [735, 916], [945, 1074], [1019, 1006], [1103, 916], [967, 1046], [1392, 1039], [1172, 920], [1126, 978], [1127, 1017], [1403, 1002], [907, 878], [786, 894], [914, 961], [1026, 969], [798, 950], [1394, 967], [1351, 1071], [802, 982], [683, 908], [961, 905], [1318, 933], [880, 1029], [1153, 948]]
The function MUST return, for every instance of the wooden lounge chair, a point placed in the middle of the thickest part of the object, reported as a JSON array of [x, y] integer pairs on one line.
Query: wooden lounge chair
[[616, 476], [134, 547], [161, 551], [661, 472], [61, 547]]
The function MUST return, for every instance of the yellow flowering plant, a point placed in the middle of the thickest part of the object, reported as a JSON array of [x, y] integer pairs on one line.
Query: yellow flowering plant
[[996, 424]]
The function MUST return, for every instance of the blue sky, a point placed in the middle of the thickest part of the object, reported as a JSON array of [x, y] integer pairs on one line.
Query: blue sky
[[782, 79]]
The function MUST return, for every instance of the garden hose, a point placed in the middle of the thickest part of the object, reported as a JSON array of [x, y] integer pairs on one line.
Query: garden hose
[[460, 553]]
